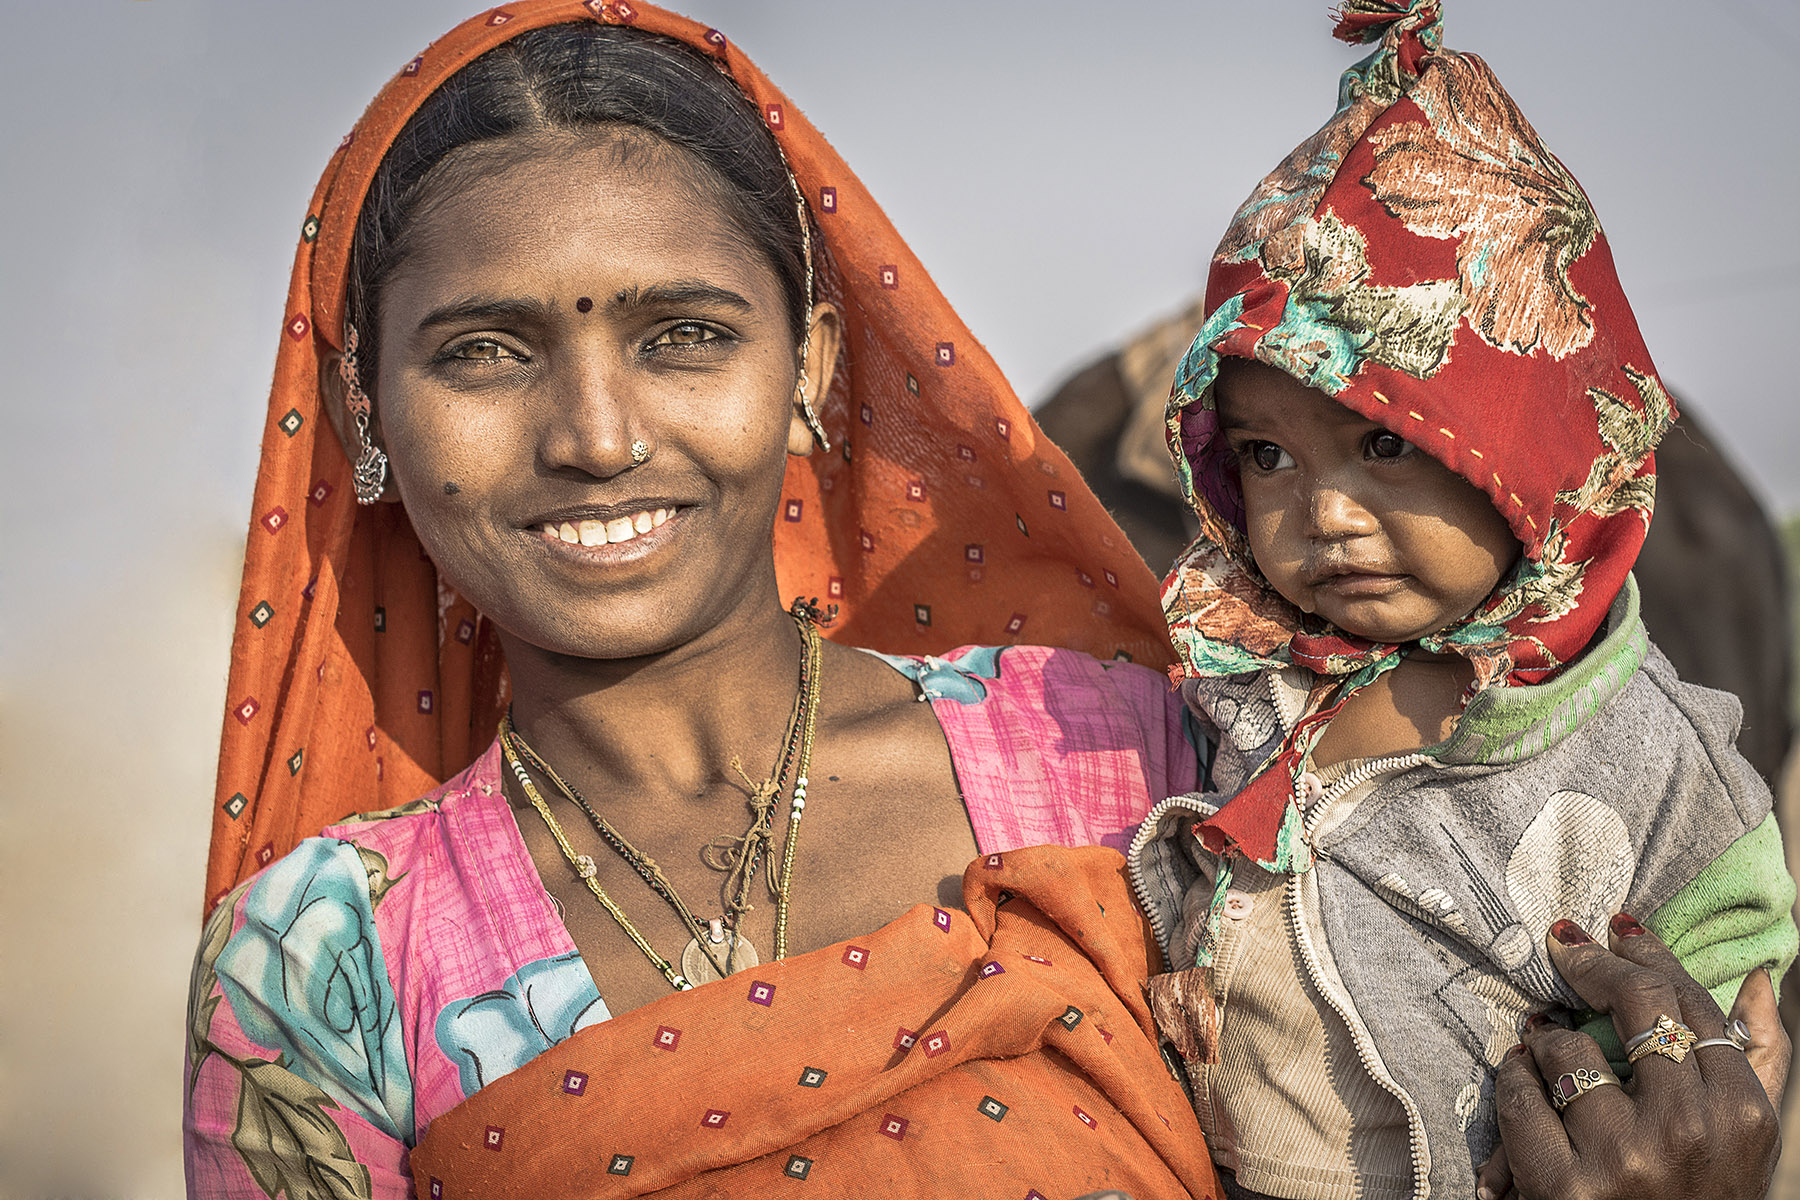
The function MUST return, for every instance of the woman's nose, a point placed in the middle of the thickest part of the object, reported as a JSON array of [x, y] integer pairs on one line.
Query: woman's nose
[[587, 423]]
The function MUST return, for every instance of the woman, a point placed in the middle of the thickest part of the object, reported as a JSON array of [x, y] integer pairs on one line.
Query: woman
[[417, 995]]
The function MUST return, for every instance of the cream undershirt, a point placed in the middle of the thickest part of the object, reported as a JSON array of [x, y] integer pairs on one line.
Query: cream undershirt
[[1289, 1106]]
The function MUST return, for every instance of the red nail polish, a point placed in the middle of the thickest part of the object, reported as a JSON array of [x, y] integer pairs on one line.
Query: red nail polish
[[1536, 1021], [1625, 925], [1570, 934], [1517, 1051]]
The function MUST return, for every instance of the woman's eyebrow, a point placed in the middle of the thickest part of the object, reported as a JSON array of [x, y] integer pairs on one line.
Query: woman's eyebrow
[[680, 291], [478, 308]]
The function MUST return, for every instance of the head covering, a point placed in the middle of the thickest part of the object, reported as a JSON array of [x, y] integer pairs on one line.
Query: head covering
[[1427, 263], [941, 517]]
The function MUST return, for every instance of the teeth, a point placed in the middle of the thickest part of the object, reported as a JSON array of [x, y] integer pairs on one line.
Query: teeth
[[601, 533]]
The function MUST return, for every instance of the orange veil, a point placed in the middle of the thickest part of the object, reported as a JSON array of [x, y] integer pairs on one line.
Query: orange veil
[[941, 517]]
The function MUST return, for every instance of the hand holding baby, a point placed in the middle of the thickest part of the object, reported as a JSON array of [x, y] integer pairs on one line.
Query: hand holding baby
[[1700, 1128]]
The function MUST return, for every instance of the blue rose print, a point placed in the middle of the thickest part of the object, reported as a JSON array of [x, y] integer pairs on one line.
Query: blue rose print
[[539, 1005], [305, 976], [940, 679]]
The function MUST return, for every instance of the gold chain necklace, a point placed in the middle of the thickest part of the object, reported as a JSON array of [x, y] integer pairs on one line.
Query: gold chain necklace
[[741, 854]]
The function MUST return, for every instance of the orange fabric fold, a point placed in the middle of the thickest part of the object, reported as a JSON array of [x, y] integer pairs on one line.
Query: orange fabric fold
[[941, 517], [1007, 1051]]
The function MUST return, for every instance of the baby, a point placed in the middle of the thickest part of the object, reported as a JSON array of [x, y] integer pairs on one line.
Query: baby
[[1417, 430]]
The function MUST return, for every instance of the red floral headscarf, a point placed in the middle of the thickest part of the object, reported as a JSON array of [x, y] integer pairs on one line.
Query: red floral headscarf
[[941, 517], [1427, 263]]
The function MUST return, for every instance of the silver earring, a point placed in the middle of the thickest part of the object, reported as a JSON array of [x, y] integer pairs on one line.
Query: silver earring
[[369, 475]]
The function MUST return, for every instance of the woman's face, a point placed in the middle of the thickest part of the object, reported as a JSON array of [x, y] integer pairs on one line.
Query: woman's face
[[547, 316]]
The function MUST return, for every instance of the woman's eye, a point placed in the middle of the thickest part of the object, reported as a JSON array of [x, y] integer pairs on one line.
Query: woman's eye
[[688, 333], [1267, 455], [481, 350], [1383, 444]]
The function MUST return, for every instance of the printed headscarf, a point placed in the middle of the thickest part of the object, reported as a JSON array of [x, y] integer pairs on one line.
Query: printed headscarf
[[941, 516], [1427, 263]]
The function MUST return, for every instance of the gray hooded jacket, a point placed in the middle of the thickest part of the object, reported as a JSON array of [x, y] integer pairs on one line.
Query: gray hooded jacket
[[1423, 920]]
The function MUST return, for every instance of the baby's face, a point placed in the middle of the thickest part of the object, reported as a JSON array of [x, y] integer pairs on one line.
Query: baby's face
[[1350, 521]]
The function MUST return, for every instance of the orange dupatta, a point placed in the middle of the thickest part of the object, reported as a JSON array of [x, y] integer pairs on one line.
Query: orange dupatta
[[942, 516], [1004, 1052]]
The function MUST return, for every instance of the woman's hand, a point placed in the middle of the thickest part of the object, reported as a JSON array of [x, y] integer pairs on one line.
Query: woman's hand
[[1702, 1129]]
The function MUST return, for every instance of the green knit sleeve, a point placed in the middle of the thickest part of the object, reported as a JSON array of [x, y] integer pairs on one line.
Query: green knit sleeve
[[1734, 916]]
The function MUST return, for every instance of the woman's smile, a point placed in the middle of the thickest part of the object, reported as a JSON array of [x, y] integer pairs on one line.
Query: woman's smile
[[611, 540]]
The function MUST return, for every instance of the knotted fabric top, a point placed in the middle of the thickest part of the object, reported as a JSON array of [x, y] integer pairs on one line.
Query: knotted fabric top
[[1425, 261]]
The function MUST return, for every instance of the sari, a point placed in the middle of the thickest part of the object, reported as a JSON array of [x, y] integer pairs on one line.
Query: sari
[[332, 976]]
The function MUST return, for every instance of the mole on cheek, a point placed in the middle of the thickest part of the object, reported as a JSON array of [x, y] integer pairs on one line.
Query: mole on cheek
[[585, 304], [450, 489]]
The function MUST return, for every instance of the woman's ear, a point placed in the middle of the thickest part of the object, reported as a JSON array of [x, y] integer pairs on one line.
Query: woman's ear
[[334, 398], [823, 339]]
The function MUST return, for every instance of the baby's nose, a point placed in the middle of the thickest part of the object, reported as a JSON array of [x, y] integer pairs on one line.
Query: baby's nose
[[1337, 514]]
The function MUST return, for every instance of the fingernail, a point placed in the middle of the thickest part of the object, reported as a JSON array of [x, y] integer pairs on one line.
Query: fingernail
[[1570, 934], [1625, 925], [1484, 1192], [1516, 1051], [1536, 1021]]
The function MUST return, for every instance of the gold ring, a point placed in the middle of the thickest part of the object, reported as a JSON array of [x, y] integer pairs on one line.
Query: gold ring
[[1571, 1086], [640, 451], [1668, 1037]]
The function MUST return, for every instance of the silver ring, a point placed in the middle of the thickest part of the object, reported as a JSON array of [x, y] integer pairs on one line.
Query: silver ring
[[1737, 1036]]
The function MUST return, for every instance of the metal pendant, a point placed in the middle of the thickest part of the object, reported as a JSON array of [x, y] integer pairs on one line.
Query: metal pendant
[[698, 968]]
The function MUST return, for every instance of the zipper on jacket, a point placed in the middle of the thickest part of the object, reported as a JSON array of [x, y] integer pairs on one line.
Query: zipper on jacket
[[1359, 1035], [1134, 867]]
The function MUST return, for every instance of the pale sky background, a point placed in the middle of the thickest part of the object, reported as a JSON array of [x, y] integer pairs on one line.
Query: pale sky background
[[1063, 169]]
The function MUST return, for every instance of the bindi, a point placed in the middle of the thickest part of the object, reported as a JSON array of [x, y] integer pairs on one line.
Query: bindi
[[585, 304], [450, 489]]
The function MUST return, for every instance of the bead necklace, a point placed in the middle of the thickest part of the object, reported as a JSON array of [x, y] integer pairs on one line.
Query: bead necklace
[[741, 856]]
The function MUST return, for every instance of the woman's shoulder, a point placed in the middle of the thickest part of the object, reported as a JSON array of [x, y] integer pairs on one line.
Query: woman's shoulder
[[475, 787], [1052, 745], [379, 959], [296, 955], [1021, 675]]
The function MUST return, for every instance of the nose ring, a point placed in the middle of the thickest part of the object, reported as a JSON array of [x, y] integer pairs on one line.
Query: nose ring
[[640, 451]]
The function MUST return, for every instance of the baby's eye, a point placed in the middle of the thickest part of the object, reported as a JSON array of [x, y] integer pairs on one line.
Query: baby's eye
[[1266, 455], [1382, 444]]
